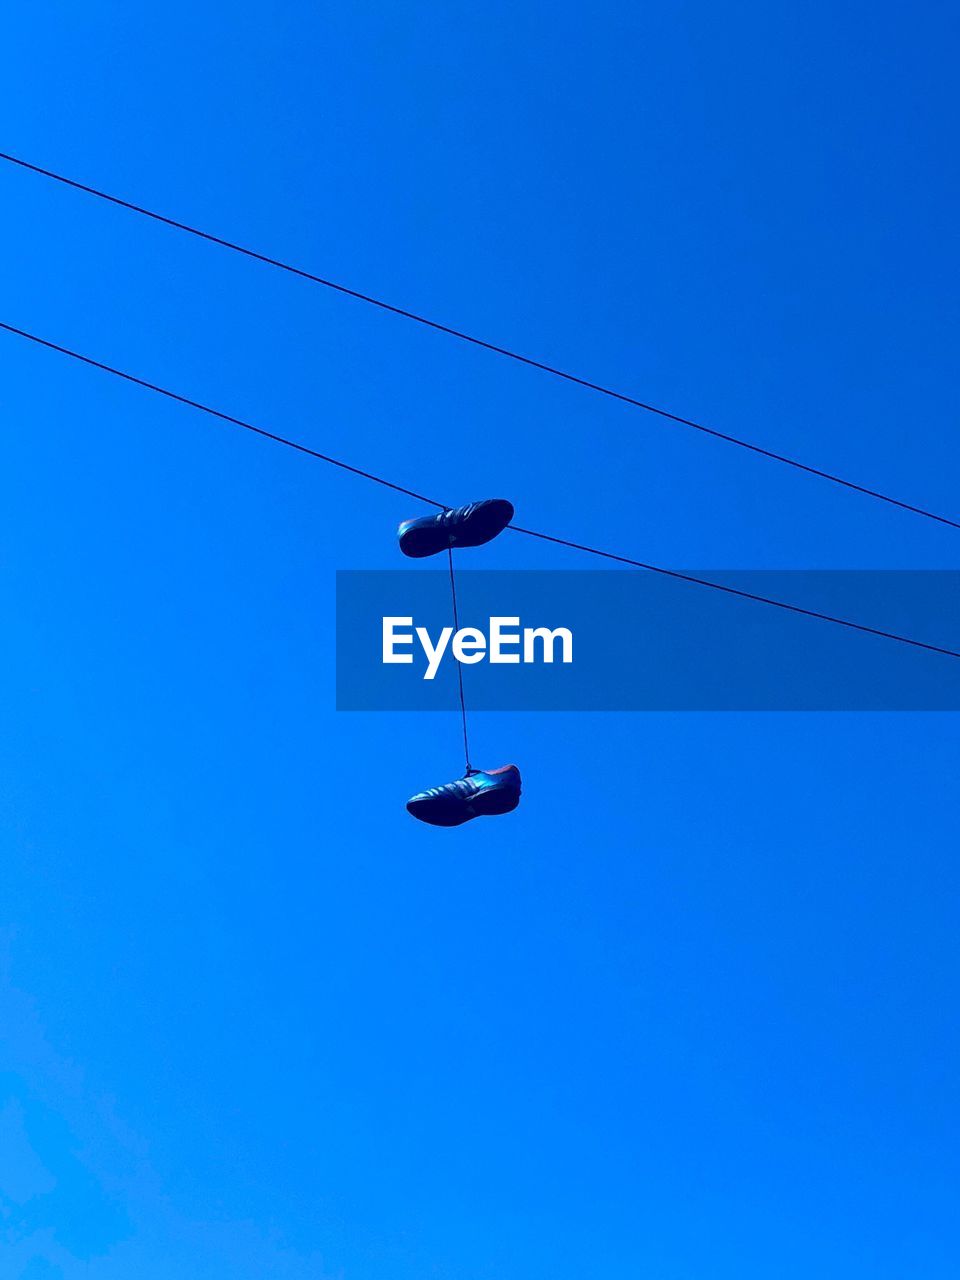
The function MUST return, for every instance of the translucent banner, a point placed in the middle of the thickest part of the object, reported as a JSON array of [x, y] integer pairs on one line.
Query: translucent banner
[[585, 640]]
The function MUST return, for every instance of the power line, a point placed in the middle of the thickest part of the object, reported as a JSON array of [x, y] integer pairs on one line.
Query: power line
[[532, 533], [735, 591], [610, 392], [217, 413]]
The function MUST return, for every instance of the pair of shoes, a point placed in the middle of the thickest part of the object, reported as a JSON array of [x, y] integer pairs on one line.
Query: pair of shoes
[[469, 526], [479, 794]]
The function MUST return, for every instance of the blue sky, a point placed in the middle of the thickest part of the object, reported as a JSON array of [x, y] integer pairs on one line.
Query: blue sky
[[690, 1011]]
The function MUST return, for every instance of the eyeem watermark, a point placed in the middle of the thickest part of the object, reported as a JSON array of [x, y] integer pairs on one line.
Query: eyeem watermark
[[644, 642], [504, 642]]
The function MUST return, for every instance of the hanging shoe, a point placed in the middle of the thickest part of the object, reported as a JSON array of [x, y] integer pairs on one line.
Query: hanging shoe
[[480, 794], [469, 526]]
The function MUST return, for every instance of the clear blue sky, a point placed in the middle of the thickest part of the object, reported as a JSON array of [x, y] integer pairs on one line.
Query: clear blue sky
[[690, 1013]]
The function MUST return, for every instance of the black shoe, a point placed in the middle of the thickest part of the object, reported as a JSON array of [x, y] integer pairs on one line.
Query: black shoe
[[479, 794], [469, 526]]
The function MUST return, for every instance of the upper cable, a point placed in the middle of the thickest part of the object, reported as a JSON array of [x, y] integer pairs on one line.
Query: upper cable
[[529, 361]]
